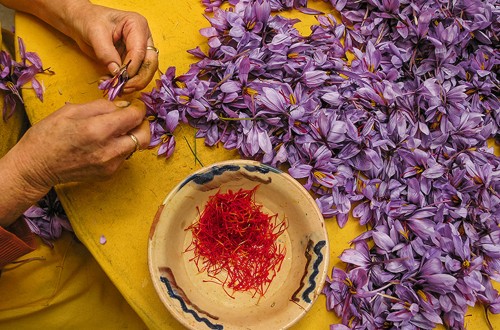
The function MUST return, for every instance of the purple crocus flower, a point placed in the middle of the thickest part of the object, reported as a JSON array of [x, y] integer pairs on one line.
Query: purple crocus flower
[[15, 75], [344, 291], [408, 309], [47, 219], [113, 87]]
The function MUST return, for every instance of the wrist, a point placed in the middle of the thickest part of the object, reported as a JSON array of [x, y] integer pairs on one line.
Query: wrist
[[70, 19], [62, 15], [19, 189]]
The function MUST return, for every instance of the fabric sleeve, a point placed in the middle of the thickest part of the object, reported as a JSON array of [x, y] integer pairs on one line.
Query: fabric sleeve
[[15, 241]]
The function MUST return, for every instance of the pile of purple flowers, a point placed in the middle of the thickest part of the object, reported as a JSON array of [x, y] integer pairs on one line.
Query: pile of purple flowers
[[14, 75], [398, 136], [276, 5]]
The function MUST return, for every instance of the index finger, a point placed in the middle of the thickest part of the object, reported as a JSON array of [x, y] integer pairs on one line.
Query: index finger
[[106, 53], [135, 34], [146, 72], [120, 121]]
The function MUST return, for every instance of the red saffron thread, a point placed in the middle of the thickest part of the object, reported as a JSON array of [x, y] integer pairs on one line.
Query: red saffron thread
[[235, 242]]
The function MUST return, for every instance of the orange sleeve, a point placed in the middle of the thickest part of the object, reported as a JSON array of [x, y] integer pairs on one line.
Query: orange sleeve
[[15, 241]]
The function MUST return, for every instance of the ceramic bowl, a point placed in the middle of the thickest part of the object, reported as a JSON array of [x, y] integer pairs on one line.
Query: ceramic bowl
[[199, 304]]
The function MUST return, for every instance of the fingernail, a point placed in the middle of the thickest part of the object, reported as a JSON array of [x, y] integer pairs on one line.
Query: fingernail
[[103, 78], [114, 68], [121, 103]]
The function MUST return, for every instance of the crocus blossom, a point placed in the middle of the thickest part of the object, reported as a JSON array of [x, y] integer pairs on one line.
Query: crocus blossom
[[113, 87], [15, 75], [47, 218]]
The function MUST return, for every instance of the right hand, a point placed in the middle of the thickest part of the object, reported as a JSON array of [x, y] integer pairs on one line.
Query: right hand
[[80, 142]]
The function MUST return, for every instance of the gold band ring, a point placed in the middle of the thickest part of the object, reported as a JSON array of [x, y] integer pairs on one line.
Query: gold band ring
[[136, 143], [153, 48]]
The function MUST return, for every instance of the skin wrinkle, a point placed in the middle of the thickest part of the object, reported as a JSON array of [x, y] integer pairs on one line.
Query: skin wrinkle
[[146, 65]]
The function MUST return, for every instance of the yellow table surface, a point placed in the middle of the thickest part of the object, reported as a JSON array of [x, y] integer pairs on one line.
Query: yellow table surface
[[122, 209]]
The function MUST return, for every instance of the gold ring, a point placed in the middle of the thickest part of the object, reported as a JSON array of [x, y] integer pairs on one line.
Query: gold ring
[[136, 143], [153, 48]]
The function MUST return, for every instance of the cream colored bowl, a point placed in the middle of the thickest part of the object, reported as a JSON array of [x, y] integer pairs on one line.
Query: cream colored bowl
[[198, 304]]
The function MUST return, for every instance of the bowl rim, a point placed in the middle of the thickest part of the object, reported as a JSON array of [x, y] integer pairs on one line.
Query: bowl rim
[[322, 274]]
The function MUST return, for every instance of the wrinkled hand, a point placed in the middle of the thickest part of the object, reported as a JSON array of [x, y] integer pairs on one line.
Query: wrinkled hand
[[115, 37], [80, 142]]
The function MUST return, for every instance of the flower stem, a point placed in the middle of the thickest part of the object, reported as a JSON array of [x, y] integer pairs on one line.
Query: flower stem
[[196, 159]]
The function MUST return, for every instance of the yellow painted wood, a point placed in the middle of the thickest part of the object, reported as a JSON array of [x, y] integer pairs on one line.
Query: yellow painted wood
[[122, 209]]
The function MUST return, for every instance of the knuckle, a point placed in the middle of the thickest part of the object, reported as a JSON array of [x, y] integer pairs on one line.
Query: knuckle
[[140, 53], [137, 115], [97, 160], [108, 171], [138, 19], [88, 133], [106, 165]]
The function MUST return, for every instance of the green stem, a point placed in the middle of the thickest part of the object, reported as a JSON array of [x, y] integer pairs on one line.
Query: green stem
[[196, 159], [235, 119]]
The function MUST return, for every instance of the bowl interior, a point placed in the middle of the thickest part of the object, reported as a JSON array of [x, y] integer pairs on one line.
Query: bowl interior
[[192, 297]]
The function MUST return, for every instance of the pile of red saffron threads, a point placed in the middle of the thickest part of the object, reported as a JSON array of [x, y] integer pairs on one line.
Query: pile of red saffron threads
[[235, 242]]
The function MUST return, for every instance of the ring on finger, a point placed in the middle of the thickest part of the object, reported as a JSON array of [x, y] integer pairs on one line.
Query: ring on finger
[[136, 144], [153, 48]]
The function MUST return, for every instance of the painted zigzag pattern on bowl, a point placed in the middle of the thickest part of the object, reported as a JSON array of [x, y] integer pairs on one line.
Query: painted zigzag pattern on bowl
[[185, 308], [312, 277]]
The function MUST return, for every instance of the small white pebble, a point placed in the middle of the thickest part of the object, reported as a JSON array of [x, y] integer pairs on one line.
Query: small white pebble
[[103, 240]]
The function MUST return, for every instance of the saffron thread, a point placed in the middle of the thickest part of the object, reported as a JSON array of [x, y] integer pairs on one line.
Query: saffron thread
[[235, 243]]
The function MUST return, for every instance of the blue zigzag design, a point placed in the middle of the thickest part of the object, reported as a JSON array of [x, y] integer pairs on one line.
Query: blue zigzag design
[[264, 169], [312, 281], [172, 294], [207, 176]]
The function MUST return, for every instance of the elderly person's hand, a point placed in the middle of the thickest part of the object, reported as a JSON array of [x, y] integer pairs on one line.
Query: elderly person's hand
[[79, 142], [116, 38], [112, 37], [83, 142]]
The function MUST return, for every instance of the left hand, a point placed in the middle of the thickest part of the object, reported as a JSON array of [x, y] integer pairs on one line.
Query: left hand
[[115, 37]]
